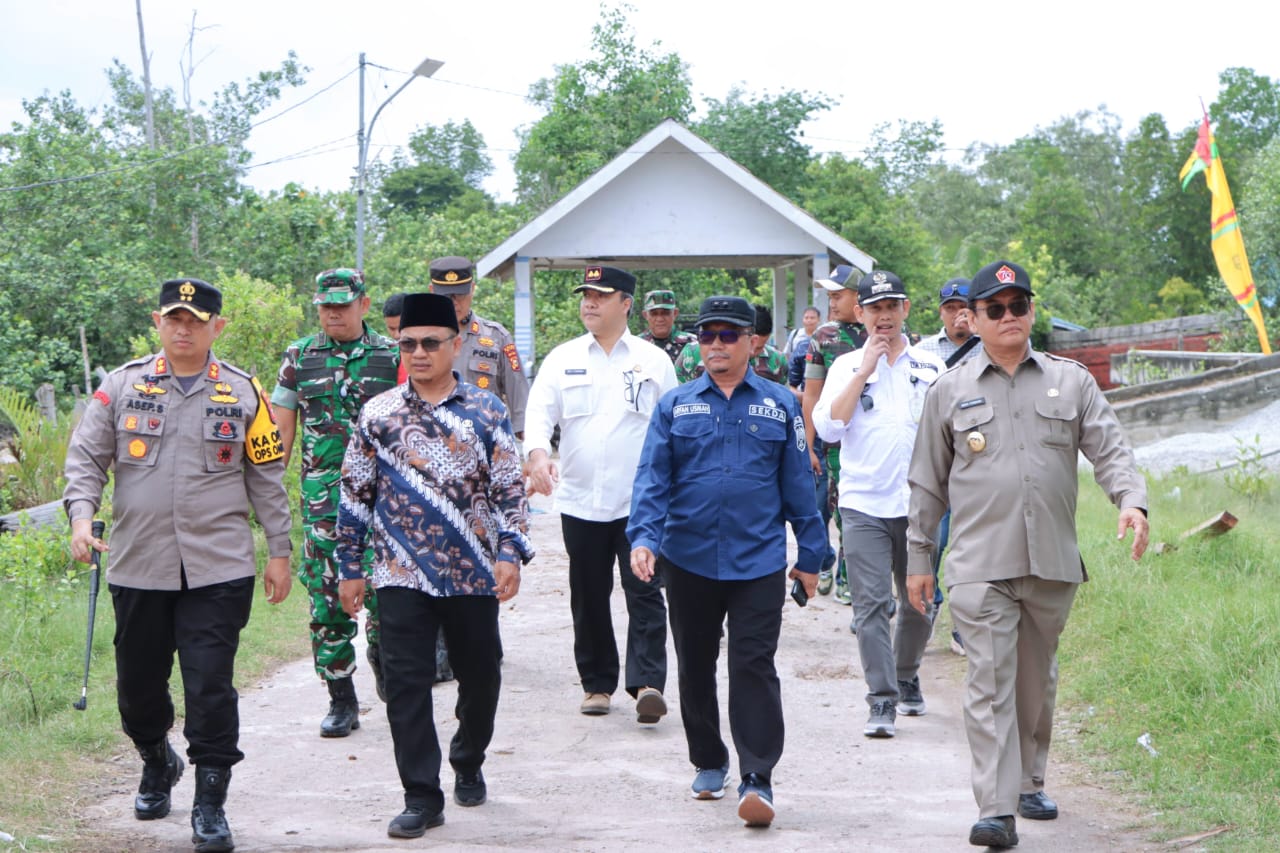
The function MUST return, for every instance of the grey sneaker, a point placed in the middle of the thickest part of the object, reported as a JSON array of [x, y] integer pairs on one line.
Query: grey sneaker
[[880, 723], [710, 783], [910, 699], [843, 595]]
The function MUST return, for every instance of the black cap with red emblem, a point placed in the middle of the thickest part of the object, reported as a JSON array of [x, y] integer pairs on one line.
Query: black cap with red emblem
[[998, 276]]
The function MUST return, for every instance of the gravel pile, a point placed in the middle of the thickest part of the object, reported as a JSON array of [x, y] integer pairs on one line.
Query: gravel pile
[[1203, 451]]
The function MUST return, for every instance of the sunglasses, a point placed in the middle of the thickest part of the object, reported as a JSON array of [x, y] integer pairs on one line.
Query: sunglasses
[[408, 345], [706, 337], [1018, 308], [951, 290]]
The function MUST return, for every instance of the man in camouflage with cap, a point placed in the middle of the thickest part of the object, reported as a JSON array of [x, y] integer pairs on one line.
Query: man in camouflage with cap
[[488, 357], [660, 313], [839, 335], [325, 379]]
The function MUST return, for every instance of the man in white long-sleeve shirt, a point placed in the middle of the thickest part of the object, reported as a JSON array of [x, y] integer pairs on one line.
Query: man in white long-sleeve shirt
[[600, 388], [871, 403]]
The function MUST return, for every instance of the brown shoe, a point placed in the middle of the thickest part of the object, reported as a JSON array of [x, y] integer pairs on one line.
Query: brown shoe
[[595, 704], [650, 706]]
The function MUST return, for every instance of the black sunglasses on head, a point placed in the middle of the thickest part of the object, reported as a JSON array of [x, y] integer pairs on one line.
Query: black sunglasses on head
[[1018, 308]]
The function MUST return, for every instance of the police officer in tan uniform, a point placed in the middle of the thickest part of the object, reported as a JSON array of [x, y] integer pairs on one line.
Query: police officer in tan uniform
[[194, 447], [998, 439], [488, 357]]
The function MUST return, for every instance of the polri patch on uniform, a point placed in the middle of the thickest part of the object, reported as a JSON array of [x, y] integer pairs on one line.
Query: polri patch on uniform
[[770, 412], [969, 404], [137, 448], [131, 422], [690, 409], [575, 371]]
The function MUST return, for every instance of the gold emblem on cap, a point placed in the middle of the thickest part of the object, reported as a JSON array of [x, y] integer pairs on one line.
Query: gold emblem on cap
[[594, 274], [450, 277], [186, 291], [977, 441]]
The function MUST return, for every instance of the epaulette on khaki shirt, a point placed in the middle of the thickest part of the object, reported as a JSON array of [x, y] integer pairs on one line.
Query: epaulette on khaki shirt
[[488, 359], [1002, 452], [188, 468]]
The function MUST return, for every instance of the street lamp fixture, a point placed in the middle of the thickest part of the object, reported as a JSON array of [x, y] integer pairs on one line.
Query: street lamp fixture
[[426, 68]]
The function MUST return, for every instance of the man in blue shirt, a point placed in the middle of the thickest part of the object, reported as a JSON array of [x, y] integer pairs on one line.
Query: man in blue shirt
[[734, 441], [432, 471]]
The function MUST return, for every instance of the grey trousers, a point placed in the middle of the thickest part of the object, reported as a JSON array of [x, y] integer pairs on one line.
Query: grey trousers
[[875, 552]]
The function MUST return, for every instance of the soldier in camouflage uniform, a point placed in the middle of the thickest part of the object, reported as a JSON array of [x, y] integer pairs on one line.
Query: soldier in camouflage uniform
[[842, 334], [488, 357], [765, 360], [325, 379], [660, 313]]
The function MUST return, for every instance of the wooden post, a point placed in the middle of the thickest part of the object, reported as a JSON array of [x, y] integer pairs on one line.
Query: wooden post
[[84, 355], [46, 399]]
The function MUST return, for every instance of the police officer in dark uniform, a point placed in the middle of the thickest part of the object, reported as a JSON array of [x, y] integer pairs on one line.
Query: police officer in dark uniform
[[488, 357], [194, 447]]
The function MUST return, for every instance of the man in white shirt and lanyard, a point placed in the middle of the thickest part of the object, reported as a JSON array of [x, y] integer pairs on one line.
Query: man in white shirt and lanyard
[[600, 389], [871, 403]]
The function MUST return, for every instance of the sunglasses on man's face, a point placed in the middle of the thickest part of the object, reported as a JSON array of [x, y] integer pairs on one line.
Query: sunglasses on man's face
[[1018, 308], [706, 337], [408, 345]]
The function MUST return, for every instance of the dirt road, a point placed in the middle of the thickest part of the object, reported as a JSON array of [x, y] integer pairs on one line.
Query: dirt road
[[562, 781]]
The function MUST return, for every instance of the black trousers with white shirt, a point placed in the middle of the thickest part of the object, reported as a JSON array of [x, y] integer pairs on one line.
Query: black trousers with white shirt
[[594, 547]]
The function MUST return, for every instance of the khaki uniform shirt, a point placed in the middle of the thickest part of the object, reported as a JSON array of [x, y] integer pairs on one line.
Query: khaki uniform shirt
[[488, 360], [188, 467], [1002, 452]]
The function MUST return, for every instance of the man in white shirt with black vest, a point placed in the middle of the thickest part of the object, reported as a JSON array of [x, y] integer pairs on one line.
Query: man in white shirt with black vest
[[600, 388]]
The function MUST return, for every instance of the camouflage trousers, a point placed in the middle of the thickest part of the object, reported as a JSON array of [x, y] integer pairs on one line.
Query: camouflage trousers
[[332, 630], [833, 508]]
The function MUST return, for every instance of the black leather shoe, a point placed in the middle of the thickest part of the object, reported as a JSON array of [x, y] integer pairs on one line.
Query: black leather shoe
[[994, 832], [1037, 806], [413, 822], [469, 789]]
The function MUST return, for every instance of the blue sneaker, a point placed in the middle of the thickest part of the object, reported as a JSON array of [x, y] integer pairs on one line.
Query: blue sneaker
[[710, 784], [755, 801]]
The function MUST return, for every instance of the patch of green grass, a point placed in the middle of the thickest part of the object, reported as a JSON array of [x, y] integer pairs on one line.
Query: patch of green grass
[[1185, 647]]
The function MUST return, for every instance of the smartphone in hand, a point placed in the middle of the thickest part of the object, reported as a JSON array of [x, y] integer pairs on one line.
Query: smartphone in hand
[[798, 593]]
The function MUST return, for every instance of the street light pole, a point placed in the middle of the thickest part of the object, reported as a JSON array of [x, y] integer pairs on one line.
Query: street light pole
[[425, 69]]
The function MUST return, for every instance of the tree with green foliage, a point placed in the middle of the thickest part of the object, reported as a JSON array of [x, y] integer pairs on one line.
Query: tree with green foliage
[[596, 109]]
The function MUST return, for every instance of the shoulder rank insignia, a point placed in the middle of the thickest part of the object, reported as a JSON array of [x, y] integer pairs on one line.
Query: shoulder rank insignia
[[214, 372], [161, 367], [475, 327]]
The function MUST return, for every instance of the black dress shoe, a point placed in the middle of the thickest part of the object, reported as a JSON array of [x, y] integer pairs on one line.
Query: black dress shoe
[[469, 789], [413, 822], [1037, 806], [994, 832]]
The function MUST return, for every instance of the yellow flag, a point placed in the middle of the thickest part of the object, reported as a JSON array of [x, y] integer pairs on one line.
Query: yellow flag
[[1227, 243]]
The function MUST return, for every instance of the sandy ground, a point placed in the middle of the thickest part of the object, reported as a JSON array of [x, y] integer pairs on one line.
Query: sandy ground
[[562, 781]]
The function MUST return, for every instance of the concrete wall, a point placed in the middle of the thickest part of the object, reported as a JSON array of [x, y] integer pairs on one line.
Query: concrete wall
[[1094, 347]]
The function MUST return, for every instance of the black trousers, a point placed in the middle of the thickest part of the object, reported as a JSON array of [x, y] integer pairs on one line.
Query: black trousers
[[203, 626], [593, 548], [699, 606], [410, 621]]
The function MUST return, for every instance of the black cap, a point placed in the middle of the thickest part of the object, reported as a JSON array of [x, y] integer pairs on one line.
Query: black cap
[[190, 294], [998, 276], [878, 285], [956, 288], [428, 309], [394, 305], [726, 309], [451, 276], [607, 280]]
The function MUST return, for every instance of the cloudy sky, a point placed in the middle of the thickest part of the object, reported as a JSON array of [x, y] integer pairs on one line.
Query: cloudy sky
[[989, 71]]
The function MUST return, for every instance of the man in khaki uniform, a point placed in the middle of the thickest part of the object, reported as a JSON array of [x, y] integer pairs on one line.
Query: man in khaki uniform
[[998, 440], [194, 447], [488, 357]]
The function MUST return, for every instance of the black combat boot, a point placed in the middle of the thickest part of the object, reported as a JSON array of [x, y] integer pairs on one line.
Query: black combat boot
[[161, 769], [344, 709], [209, 830], [374, 655]]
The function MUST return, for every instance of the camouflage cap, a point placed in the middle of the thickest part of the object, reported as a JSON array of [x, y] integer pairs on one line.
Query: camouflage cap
[[660, 299], [339, 287]]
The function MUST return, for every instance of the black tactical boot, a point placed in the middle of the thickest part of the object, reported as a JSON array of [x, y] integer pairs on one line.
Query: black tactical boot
[[161, 769], [209, 830], [374, 654], [344, 709]]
